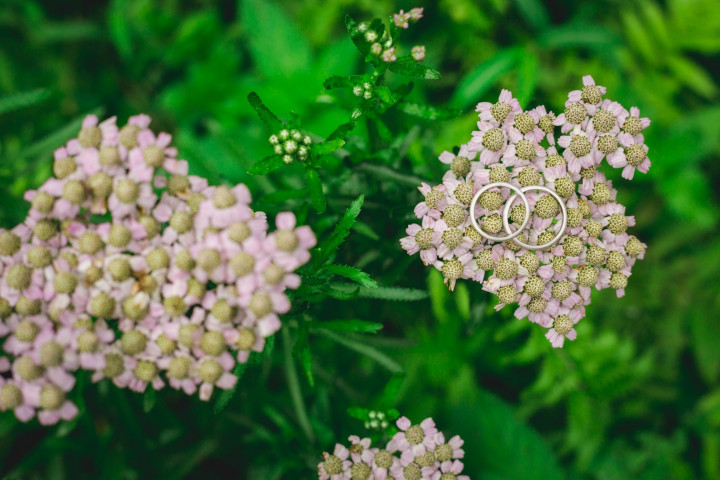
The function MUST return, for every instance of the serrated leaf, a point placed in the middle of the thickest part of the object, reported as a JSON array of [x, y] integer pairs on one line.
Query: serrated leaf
[[266, 165], [352, 273], [317, 196], [429, 112], [409, 67], [326, 147], [352, 326], [268, 117], [341, 231], [226, 395], [17, 101]]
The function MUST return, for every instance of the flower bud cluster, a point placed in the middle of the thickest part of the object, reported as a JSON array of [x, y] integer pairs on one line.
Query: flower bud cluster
[[415, 452], [291, 145], [384, 46], [130, 268], [364, 90], [552, 286]]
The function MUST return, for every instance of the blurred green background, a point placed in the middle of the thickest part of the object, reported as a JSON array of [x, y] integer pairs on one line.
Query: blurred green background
[[636, 396]]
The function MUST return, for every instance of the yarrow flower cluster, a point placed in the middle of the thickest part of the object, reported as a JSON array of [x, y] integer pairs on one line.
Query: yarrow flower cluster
[[382, 44], [291, 144], [551, 286], [130, 268], [416, 452]]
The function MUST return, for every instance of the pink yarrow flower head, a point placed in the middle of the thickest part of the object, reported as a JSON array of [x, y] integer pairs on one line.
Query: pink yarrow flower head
[[595, 250], [188, 275], [416, 451]]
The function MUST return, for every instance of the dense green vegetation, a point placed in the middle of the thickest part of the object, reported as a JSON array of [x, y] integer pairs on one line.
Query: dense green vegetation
[[637, 395]]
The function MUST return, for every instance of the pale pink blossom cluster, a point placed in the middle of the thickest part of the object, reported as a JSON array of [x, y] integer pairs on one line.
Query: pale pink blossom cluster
[[415, 452], [130, 268], [383, 46], [552, 286]]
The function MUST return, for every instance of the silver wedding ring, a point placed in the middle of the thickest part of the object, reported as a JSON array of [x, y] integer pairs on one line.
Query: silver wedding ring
[[506, 223]]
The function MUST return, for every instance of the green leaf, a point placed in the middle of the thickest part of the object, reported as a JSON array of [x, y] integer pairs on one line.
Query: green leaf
[[589, 35], [316, 190], [326, 147], [393, 293], [341, 231], [352, 273], [343, 130], [364, 229], [293, 384], [386, 173], [268, 117], [17, 101], [276, 44], [282, 196], [392, 390], [504, 448], [363, 349], [429, 112], [359, 413], [384, 94], [473, 86], [266, 165], [527, 78], [534, 13], [302, 351], [306, 361], [409, 67], [149, 399], [343, 291], [342, 82], [226, 395], [692, 75], [120, 28], [353, 326]]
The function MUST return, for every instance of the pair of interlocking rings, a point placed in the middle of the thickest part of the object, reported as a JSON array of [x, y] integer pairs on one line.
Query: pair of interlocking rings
[[506, 224]]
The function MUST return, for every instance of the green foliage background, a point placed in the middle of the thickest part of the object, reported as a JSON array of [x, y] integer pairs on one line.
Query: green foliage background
[[636, 396]]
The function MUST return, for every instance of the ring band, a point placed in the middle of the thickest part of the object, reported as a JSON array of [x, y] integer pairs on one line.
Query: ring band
[[561, 231], [485, 189], [519, 192]]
